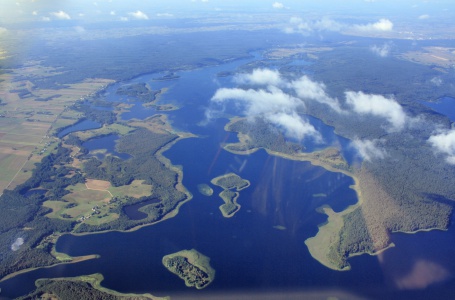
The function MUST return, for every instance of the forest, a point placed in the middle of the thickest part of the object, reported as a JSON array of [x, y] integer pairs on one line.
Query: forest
[[140, 91], [260, 135], [72, 290]]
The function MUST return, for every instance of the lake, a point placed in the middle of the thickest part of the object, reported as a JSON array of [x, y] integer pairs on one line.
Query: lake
[[247, 251]]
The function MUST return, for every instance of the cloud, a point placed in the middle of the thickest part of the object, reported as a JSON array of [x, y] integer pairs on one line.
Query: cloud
[[445, 143], [112, 13], [437, 81], [423, 17], [381, 25], [61, 15], [35, 13], [382, 51], [3, 30], [377, 105], [123, 19], [260, 77], [278, 5], [273, 105], [298, 25], [139, 15], [305, 88], [17, 244], [294, 126], [46, 19], [368, 149], [164, 15]]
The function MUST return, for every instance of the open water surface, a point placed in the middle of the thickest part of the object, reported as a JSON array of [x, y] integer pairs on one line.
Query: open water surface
[[247, 251]]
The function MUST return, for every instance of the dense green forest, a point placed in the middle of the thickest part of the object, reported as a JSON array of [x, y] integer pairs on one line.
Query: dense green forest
[[140, 91], [261, 135], [71, 290]]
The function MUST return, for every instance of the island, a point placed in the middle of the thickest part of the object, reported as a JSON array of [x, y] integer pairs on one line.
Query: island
[[205, 189], [191, 266], [230, 182]]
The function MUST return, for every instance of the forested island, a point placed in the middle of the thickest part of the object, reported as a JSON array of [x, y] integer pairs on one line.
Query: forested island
[[191, 266], [232, 184]]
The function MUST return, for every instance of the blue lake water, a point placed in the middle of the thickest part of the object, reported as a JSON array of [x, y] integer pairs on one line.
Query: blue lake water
[[104, 143], [445, 106], [79, 126], [248, 253]]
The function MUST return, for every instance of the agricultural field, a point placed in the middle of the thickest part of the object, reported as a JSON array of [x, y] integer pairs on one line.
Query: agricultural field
[[29, 116]]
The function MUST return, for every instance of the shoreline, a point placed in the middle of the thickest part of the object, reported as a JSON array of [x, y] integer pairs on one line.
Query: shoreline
[[74, 260]]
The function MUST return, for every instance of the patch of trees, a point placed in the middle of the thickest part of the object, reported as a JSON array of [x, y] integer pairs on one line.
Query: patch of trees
[[142, 145], [261, 135], [18, 213], [100, 116], [139, 91], [53, 174], [383, 211], [72, 290], [231, 181], [192, 275]]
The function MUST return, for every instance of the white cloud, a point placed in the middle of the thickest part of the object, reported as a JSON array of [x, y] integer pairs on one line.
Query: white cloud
[[305, 88], [377, 105], [368, 149], [46, 19], [445, 143], [112, 13], [294, 126], [278, 5], [381, 25], [382, 51], [35, 13], [437, 81], [423, 17], [260, 77], [272, 104], [164, 15], [17, 244], [61, 15], [138, 15], [298, 25], [123, 19], [3, 30]]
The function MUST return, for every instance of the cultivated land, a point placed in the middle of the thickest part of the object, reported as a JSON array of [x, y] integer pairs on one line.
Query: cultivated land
[[29, 116]]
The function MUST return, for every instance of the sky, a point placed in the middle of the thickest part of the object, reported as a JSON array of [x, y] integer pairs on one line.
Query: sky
[[47, 10]]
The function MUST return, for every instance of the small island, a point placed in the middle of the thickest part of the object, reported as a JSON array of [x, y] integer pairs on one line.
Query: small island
[[230, 182], [191, 266], [230, 206], [205, 189]]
